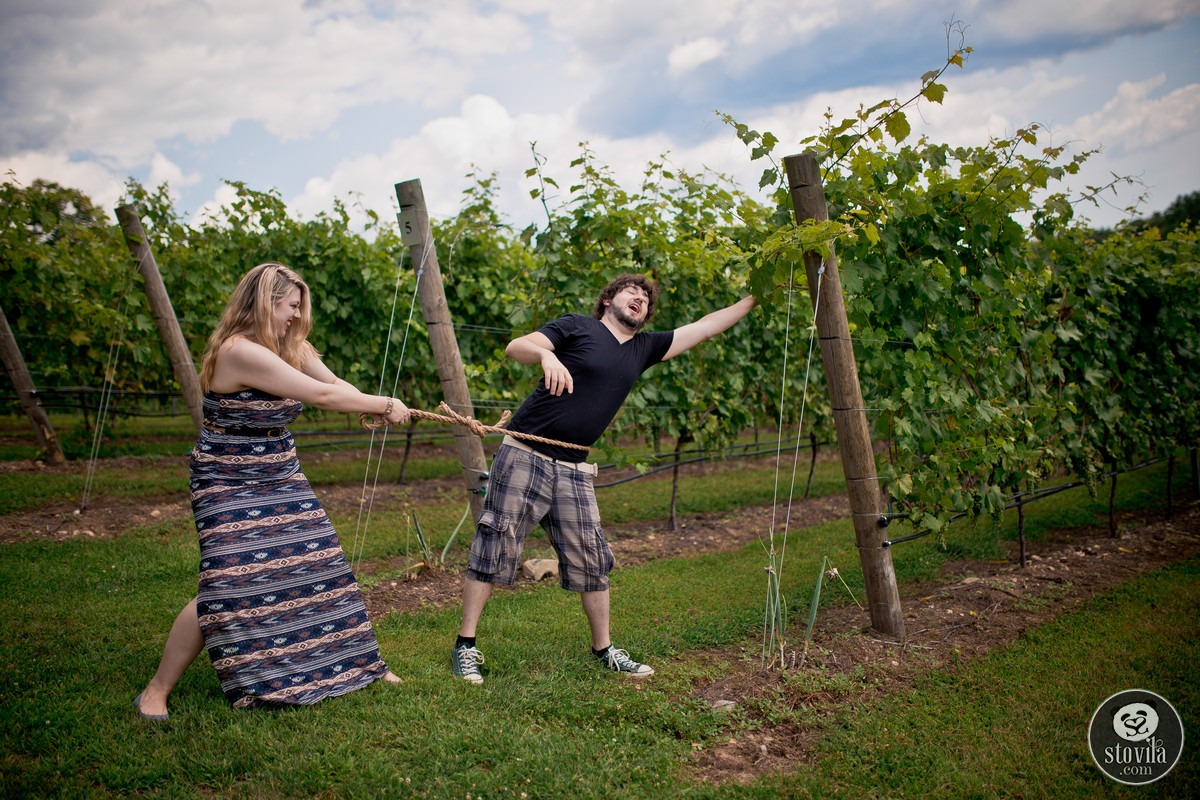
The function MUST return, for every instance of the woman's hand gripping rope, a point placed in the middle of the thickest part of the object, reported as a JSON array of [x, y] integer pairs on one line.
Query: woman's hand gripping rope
[[375, 421]]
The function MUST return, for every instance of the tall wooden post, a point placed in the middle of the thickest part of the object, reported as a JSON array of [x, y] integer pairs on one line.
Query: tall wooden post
[[845, 394], [14, 362], [164, 315], [417, 235]]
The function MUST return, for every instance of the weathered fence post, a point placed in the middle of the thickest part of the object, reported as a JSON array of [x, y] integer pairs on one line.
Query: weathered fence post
[[845, 395], [164, 315], [18, 373], [417, 235]]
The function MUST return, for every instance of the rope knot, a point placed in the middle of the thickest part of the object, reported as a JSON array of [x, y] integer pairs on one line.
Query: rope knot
[[470, 423]]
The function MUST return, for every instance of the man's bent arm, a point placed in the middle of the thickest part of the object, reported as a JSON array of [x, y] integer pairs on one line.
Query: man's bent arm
[[536, 348], [530, 348], [708, 326]]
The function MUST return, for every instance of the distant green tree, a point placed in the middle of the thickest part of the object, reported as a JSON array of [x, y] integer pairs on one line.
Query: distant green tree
[[1183, 211]]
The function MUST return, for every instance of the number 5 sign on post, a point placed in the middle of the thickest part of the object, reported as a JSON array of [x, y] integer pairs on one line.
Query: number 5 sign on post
[[410, 232]]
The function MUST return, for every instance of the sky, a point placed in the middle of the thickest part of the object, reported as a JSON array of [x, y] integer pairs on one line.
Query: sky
[[338, 100]]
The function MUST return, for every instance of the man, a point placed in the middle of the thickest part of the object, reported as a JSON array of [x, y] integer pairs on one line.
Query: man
[[589, 366]]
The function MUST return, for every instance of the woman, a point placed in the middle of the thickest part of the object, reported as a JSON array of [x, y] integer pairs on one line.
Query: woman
[[278, 608]]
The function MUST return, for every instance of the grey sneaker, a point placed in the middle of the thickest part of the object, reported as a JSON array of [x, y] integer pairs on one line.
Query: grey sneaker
[[465, 662], [619, 661]]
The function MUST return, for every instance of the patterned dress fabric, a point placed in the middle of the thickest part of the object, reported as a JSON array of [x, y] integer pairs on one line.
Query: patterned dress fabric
[[283, 619]]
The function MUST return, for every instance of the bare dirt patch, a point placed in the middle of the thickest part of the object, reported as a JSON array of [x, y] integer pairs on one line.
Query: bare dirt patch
[[102, 517]]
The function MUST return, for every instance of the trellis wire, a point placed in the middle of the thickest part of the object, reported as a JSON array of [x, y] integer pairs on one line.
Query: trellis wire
[[367, 498], [724, 455], [775, 613], [106, 392], [773, 620]]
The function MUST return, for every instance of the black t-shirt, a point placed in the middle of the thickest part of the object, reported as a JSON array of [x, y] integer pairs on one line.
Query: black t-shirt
[[603, 370]]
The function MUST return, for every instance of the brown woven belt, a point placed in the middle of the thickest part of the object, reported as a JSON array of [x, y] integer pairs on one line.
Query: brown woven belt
[[582, 466], [257, 433]]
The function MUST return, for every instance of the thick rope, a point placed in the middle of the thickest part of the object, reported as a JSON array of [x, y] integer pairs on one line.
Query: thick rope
[[450, 416]]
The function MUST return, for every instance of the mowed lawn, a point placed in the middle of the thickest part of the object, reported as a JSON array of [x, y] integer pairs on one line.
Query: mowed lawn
[[84, 624]]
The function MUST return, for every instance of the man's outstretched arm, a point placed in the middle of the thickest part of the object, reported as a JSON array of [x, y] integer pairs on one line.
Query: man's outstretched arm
[[708, 326]]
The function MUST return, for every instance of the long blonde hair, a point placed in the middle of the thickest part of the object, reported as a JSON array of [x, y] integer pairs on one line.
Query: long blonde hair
[[250, 312]]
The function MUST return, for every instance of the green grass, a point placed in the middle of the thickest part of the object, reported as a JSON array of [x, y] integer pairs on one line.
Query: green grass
[[122, 436], [720, 486], [155, 477], [85, 622]]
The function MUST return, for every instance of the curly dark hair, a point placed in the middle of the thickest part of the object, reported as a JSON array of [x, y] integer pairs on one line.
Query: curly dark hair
[[620, 282]]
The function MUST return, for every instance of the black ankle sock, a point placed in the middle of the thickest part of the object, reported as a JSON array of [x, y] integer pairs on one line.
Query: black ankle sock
[[464, 641], [601, 651]]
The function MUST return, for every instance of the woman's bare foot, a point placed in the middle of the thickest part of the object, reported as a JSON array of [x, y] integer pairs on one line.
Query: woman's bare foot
[[392, 677]]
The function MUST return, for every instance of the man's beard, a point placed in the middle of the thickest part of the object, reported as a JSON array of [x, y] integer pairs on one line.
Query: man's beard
[[620, 315]]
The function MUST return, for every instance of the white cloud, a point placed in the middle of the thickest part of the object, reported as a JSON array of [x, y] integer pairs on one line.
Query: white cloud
[[99, 183], [191, 71], [1135, 121], [163, 170], [189, 93], [224, 196], [608, 31], [484, 136], [689, 55], [460, 29]]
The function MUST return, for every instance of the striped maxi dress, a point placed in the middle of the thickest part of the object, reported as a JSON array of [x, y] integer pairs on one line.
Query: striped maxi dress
[[283, 619]]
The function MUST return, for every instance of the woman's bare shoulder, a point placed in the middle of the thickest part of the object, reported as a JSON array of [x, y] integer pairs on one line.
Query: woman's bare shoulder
[[237, 357]]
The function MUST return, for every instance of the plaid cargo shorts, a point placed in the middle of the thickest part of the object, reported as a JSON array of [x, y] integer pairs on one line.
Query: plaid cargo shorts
[[525, 489]]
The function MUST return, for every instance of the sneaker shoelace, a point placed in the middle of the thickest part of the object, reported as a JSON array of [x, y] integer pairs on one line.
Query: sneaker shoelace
[[620, 660], [469, 658]]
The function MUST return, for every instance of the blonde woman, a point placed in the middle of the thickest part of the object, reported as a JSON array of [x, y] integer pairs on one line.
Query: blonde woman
[[278, 607]]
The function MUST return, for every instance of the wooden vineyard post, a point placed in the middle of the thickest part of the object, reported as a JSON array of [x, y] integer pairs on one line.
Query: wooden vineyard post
[[845, 395], [418, 237], [164, 315], [18, 373]]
